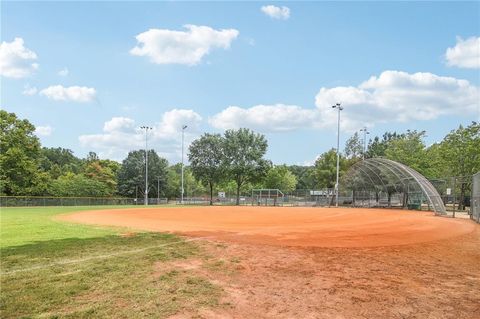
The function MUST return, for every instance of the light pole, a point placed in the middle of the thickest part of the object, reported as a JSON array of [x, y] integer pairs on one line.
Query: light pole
[[183, 134], [158, 190], [339, 108], [146, 128], [365, 132]]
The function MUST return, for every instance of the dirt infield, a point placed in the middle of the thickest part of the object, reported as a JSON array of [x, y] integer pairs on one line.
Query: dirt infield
[[321, 263], [287, 226]]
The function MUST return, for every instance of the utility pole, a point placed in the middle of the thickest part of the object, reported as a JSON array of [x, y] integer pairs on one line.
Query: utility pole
[[183, 134], [146, 128], [339, 108], [365, 132]]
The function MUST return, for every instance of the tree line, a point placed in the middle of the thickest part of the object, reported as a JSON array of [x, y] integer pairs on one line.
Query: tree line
[[233, 162]]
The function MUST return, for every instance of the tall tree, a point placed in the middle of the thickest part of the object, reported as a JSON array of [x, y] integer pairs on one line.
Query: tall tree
[[378, 146], [131, 175], [281, 178], [305, 176], [354, 147], [103, 171], [244, 151], [410, 150], [460, 150], [206, 156], [19, 157], [59, 160], [326, 168]]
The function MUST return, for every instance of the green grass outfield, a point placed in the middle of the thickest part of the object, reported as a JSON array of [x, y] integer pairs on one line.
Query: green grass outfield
[[55, 269]]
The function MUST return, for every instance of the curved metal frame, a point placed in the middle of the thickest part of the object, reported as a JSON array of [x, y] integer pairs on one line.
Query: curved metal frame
[[391, 173]]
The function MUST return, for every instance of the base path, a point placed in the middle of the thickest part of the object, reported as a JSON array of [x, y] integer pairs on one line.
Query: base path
[[286, 226]]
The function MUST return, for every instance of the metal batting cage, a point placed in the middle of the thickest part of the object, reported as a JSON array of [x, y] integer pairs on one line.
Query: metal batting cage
[[475, 200], [380, 182]]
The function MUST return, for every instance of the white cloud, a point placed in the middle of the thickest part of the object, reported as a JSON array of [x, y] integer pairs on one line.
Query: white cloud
[[118, 124], [63, 72], [165, 46], [266, 118], [73, 93], [393, 96], [465, 54], [276, 12], [121, 135], [28, 90], [17, 61], [43, 130], [396, 96]]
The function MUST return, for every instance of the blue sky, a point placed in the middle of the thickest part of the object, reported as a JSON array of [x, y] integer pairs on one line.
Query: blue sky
[[276, 70]]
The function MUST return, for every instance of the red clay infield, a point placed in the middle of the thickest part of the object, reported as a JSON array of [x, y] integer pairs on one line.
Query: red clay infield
[[286, 226]]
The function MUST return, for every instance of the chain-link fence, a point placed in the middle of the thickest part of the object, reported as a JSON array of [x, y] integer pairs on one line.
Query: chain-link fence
[[28, 201], [475, 200]]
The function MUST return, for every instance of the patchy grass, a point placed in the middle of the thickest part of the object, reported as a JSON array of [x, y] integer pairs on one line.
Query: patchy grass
[[75, 271]]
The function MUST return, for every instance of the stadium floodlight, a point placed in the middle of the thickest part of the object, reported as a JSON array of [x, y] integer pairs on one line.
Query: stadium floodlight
[[339, 108], [365, 132], [146, 128], [184, 127]]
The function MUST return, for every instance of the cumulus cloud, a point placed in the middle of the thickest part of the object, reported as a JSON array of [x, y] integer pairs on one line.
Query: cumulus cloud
[[393, 96], [275, 12], [163, 46], [63, 72], [266, 118], [465, 54], [80, 94], [122, 134], [17, 61], [28, 90], [43, 130], [396, 96]]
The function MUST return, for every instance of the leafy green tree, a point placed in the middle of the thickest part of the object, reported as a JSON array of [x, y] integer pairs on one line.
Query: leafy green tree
[[326, 168], [280, 177], [19, 157], [131, 175], [244, 151], [78, 185], [410, 150], [58, 161], [206, 156], [103, 174], [460, 151], [354, 147], [305, 176], [377, 147], [192, 186]]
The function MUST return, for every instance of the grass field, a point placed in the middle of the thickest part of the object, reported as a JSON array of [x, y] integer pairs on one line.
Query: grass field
[[237, 262], [54, 269]]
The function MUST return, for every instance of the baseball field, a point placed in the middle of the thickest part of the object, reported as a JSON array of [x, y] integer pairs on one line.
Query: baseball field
[[237, 262]]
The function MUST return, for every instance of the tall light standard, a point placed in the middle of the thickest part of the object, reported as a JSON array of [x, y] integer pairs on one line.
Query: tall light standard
[[146, 128], [339, 108], [365, 132], [183, 134]]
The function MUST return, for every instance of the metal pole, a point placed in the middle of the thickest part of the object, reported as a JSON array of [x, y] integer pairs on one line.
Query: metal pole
[[146, 128], [158, 190], [183, 133], [337, 186]]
